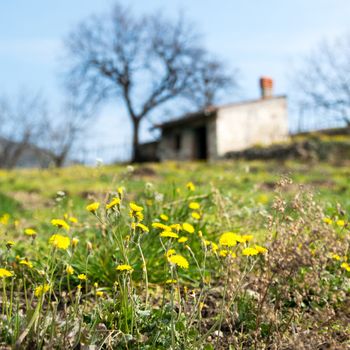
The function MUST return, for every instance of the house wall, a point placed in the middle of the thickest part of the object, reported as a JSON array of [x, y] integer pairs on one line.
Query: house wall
[[187, 151], [240, 126], [167, 149]]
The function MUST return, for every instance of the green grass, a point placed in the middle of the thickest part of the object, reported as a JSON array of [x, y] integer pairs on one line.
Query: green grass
[[236, 196], [247, 182]]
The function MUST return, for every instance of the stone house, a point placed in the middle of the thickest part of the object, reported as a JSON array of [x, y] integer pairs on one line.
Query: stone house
[[211, 133]]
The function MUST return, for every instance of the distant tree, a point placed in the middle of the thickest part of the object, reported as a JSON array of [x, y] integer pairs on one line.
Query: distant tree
[[62, 132], [28, 123], [324, 80], [145, 61], [210, 79], [20, 126]]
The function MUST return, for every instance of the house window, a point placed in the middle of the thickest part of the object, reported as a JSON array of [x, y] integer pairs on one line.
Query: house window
[[177, 142]]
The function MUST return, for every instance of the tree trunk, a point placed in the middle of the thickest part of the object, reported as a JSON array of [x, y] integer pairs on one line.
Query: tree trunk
[[59, 161], [135, 141]]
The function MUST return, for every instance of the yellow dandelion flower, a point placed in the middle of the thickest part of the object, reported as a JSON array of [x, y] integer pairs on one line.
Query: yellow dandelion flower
[[214, 247], [196, 215], [171, 281], [340, 223], [327, 221], [190, 186], [260, 249], [345, 266], [26, 263], [242, 239], [263, 199], [82, 277], [59, 241], [170, 252], [228, 239], [124, 267], [194, 205], [30, 232], [188, 227], [60, 224], [41, 290], [113, 203], [247, 238], [73, 220], [169, 234], [134, 207], [223, 252], [250, 251], [69, 270], [335, 257], [5, 219], [182, 239], [164, 217], [176, 227], [139, 216], [178, 260], [93, 207], [99, 293], [5, 273], [75, 242], [161, 226], [143, 227]]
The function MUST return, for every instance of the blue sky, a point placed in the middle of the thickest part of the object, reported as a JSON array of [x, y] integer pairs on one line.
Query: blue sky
[[258, 37]]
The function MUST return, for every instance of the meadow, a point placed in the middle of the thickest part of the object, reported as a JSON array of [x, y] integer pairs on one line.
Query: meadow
[[232, 255]]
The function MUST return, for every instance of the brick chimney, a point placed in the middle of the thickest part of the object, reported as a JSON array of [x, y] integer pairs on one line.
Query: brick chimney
[[266, 86]]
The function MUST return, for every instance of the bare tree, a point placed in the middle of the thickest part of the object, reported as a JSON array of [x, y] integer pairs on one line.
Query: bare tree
[[28, 128], [20, 125], [144, 61], [209, 81], [62, 133], [324, 80]]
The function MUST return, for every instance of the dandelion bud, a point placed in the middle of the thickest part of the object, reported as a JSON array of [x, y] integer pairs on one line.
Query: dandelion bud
[[75, 242], [89, 246], [120, 191], [9, 244]]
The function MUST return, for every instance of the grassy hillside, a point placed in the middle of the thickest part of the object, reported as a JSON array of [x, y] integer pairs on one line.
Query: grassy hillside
[[229, 255]]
